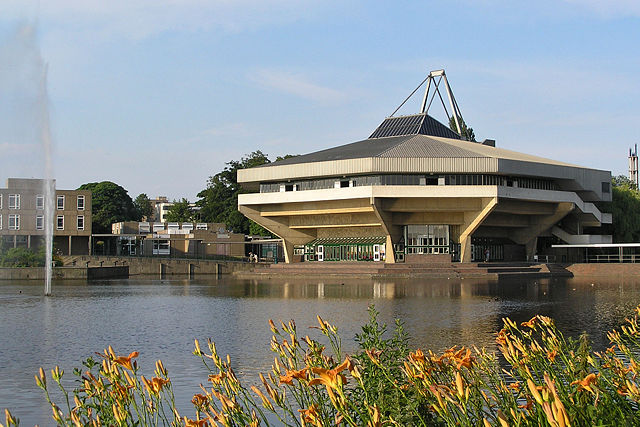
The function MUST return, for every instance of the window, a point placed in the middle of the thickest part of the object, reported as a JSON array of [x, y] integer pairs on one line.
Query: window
[[606, 187], [60, 222], [0, 201], [80, 222], [0, 222], [201, 226], [80, 203], [14, 201], [39, 202], [14, 222], [60, 203], [39, 222]]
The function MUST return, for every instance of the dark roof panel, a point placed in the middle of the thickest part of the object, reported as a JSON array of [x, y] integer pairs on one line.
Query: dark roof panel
[[422, 124]]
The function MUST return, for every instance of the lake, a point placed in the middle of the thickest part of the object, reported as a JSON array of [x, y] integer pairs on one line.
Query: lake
[[161, 318]]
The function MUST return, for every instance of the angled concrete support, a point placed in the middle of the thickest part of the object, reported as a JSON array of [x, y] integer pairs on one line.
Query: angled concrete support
[[529, 236], [280, 227], [393, 232], [472, 221]]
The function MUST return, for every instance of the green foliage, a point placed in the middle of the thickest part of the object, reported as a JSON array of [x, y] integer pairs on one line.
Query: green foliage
[[625, 209], [143, 206], [110, 203], [24, 257], [467, 132], [180, 211], [381, 360], [219, 201], [286, 156]]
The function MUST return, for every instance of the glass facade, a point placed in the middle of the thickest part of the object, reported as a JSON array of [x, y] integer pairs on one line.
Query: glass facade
[[426, 239]]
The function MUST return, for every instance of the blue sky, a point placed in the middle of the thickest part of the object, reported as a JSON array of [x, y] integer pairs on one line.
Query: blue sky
[[157, 95]]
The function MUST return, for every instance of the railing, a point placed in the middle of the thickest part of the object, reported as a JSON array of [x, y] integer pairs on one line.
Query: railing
[[545, 259], [628, 258]]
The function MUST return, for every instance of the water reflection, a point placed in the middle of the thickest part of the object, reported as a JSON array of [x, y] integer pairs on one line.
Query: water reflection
[[160, 318]]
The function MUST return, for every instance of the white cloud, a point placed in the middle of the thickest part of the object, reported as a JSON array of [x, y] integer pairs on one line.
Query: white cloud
[[142, 18], [297, 85], [610, 8]]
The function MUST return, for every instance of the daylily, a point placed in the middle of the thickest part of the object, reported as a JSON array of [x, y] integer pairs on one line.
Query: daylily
[[586, 383], [310, 415], [155, 385], [126, 361], [293, 374]]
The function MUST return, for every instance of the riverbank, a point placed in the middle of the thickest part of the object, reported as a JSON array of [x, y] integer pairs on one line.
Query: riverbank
[[107, 267]]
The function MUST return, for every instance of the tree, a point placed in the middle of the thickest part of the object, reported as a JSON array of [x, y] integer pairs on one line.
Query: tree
[[143, 206], [286, 156], [219, 201], [110, 203], [467, 132], [180, 211], [625, 209]]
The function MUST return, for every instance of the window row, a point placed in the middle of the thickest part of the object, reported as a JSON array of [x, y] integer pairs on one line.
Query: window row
[[14, 222], [14, 202], [461, 179]]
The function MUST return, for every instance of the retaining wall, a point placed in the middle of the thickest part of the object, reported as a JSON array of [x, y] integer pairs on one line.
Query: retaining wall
[[602, 269], [162, 266], [86, 273]]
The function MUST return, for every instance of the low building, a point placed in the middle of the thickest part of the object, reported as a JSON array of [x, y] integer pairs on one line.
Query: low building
[[186, 239], [416, 191], [22, 216]]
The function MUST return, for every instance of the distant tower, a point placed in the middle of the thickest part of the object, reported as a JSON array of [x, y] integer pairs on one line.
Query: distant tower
[[633, 165]]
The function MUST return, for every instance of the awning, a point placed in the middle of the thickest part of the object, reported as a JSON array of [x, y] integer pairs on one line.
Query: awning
[[375, 240]]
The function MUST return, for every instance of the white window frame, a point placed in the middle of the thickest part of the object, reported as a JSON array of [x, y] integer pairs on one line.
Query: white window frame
[[39, 202], [0, 221], [79, 219], [0, 201], [58, 218], [41, 225], [16, 222], [14, 201], [78, 205], [60, 197], [201, 226]]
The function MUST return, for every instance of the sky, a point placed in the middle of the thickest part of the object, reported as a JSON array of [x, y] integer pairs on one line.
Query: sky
[[157, 95]]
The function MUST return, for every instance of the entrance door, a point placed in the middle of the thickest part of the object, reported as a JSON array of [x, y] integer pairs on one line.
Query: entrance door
[[320, 253], [376, 252]]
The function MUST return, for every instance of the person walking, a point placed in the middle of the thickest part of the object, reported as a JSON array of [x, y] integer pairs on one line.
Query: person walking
[[486, 255]]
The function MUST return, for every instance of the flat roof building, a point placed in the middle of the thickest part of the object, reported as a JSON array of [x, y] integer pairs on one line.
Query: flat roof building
[[22, 216], [415, 191]]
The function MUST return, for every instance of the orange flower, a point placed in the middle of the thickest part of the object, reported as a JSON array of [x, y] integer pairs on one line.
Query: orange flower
[[531, 323], [217, 379], [195, 423], [331, 378], [155, 385], [586, 383], [126, 361], [552, 355], [293, 374], [199, 400], [310, 415]]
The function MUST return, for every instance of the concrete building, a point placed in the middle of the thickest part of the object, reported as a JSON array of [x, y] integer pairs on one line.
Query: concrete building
[[415, 191], [187, 239], [22, 216]]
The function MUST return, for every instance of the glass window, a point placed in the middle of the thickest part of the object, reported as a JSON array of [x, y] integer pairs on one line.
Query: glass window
[[80, 222], [0, 201], [39, 222], [606, 187], [14, 201], [60, 203], [0, 221], [80, 203], [60, 222], [14, 222], [39, 202]]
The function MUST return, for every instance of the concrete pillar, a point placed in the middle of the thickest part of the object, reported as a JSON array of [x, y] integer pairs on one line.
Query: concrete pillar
[[29, 241], [472, 221], [69, 251], [287, 246], [530, 248]]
